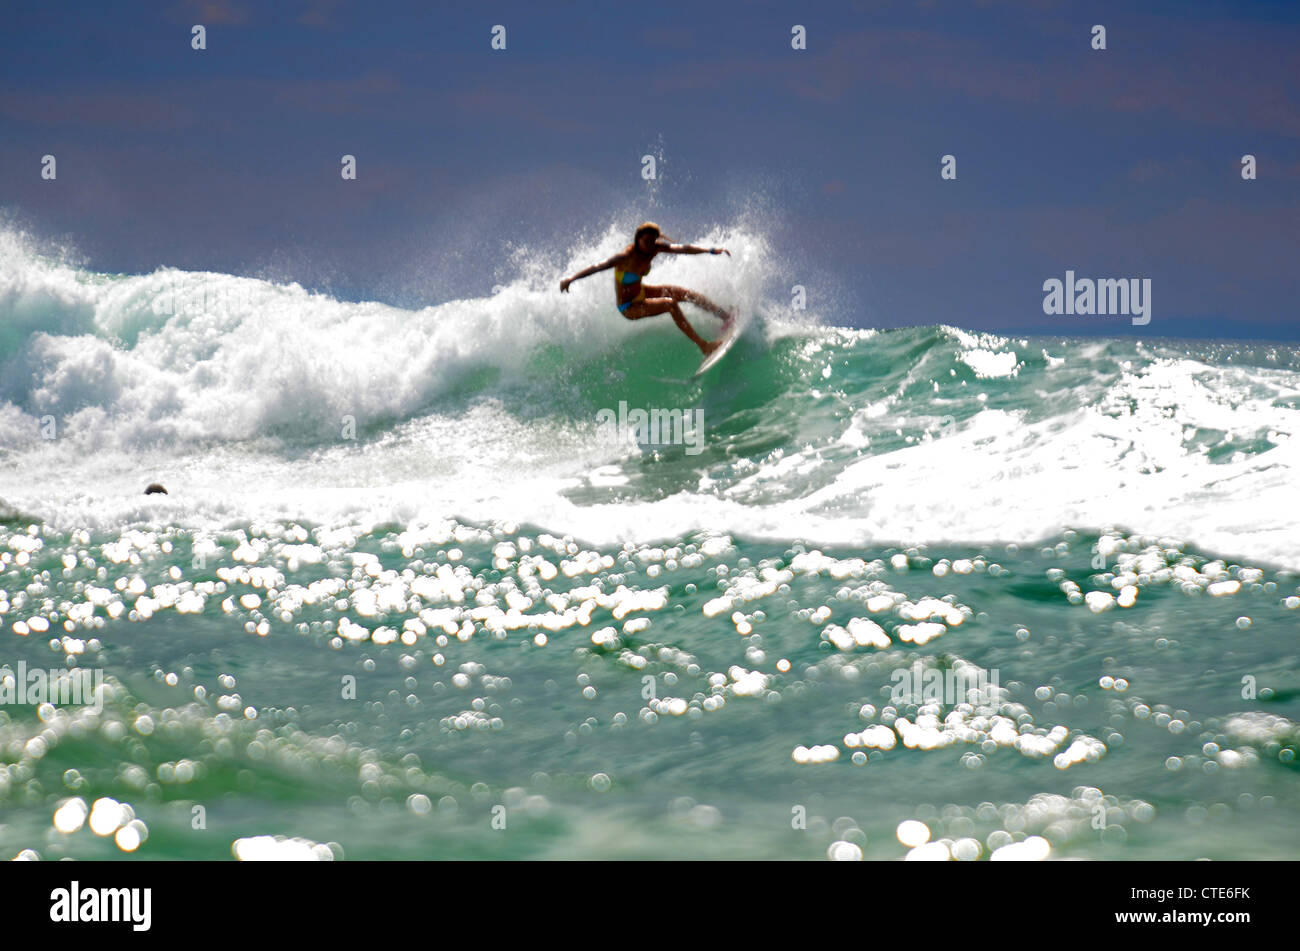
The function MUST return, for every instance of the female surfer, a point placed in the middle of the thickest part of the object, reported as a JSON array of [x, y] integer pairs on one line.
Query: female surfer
[[637, 300]]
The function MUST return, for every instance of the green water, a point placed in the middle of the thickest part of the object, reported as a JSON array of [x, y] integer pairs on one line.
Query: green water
[[517, 723]]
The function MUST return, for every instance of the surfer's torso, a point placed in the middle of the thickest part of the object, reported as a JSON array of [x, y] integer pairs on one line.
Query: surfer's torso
[[627, 279]]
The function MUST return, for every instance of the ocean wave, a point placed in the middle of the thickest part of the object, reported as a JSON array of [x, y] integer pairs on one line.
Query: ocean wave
[[250, 398]]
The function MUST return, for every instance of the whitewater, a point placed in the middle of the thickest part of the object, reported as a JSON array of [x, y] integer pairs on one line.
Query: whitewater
[[236, 393], [635, 650]]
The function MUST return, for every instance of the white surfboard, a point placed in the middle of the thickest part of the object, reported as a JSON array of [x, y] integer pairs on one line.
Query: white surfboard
[[729, 337]]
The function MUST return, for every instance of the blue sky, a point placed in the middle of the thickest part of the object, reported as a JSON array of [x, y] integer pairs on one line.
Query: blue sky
[[1116, 163]]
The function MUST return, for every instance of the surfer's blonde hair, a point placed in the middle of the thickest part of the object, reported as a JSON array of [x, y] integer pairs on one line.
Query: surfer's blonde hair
[[647, 227]]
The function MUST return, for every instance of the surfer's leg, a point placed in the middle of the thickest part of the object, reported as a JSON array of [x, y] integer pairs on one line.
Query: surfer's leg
[[706, 346], [646, 308], [652, 306], [686, 294]]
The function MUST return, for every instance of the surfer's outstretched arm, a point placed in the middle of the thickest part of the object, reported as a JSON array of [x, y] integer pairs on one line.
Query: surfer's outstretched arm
[[588, 271], [666, 248]]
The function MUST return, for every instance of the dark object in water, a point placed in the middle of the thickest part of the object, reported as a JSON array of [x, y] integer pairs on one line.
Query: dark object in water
[[155, 488]]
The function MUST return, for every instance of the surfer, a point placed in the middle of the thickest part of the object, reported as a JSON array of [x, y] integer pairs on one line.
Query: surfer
[[637, 299]]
